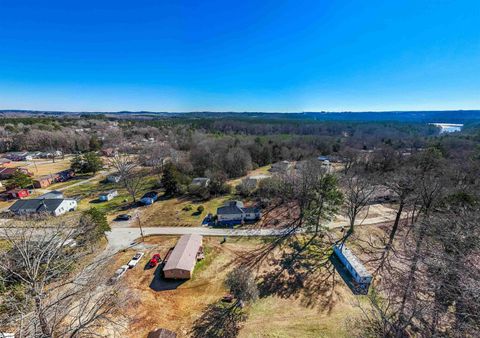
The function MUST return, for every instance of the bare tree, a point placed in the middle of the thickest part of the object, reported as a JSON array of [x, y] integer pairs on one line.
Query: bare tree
[[47, 293], [358, 192], [131, 175]]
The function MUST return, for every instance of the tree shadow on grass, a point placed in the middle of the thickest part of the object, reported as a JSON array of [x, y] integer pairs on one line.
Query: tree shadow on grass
[[219, 320], [304, 271], [160, 283]]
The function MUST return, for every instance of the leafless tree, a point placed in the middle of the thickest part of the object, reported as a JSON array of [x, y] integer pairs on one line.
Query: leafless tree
[[131, 175], [358, 191], [51, 290]]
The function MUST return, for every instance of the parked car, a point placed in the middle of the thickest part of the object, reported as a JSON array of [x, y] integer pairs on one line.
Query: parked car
[[123, 217], [118, 274], [154, 261], [149, 198], [135, 259]]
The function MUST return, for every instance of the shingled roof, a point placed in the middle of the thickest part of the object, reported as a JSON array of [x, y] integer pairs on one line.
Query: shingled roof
[[35, 205]]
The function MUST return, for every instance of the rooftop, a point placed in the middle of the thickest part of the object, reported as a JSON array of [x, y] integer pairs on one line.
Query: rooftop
[[184, 255]]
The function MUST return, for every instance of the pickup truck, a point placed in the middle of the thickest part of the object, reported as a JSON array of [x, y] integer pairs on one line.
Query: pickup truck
[[149, 198], [135, 259], [118, 274]]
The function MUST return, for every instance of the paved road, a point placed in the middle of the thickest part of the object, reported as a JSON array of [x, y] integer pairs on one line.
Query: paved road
[[121, 238]]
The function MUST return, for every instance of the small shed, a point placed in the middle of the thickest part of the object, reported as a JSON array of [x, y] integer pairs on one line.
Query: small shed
[[161, 333], [108, 195], [182, 260]]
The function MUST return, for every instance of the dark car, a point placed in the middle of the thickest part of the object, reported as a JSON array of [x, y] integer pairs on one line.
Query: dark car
[[123, 217]]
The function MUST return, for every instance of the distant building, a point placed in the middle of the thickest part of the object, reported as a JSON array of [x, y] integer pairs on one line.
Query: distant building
[[7, 173], [282, 167], [16, 194], [181, 261], [56, 206], [43, 181], [108, 195], [233, 212], [114, 178], [52, 195], [251, 182], [201, 181]]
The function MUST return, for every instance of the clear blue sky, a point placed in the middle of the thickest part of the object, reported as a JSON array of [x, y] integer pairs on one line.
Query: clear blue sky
[[244, 55]]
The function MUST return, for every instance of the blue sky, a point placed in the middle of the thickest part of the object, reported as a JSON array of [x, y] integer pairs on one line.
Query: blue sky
[[239, 55]]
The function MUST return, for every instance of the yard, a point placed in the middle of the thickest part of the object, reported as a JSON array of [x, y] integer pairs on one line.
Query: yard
[[177, 309], [39, 167]]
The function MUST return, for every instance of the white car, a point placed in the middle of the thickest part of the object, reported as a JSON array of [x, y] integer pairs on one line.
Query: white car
[[119, 273], [138, 256]]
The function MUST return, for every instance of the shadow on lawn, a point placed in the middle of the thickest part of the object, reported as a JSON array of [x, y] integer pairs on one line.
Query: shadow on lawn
[[219, 320], [304, 271], [159, 283]]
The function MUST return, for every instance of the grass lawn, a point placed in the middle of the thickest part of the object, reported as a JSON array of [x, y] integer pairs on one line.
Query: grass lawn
[[177, 309], [41, 167]]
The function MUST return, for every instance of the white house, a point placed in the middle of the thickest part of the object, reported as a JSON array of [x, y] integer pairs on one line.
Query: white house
[[55, 206], [234, 212], [108, 195]]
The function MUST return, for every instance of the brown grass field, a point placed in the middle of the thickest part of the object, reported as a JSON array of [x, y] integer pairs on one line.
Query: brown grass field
[[178, 309]]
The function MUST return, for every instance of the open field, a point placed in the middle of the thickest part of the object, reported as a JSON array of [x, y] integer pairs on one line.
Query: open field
[[41, 167], [177, 309]]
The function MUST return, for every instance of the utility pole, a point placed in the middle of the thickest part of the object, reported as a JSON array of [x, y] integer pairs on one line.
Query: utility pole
[[140, 225]]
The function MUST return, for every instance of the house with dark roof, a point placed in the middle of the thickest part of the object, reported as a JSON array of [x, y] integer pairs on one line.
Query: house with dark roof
[[53, 206], [234, 212]]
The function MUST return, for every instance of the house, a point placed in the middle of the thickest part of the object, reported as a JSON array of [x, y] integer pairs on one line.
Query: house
[[251, 182], [234, 212], [181, 261], [323, 158], [54, 206], [52, 195], [201, 182], [64, 175], [361, 277], [19, 156], [108, 195], [16, 194], [43, 181], [6, 173], [282, 167], [161, 333], [50, 154], [114, 178]]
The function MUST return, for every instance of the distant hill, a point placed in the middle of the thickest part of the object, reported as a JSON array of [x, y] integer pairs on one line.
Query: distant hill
[[448, 116]]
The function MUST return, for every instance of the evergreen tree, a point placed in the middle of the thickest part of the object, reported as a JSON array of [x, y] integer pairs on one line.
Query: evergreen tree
[[20, 180], [169, 180]]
